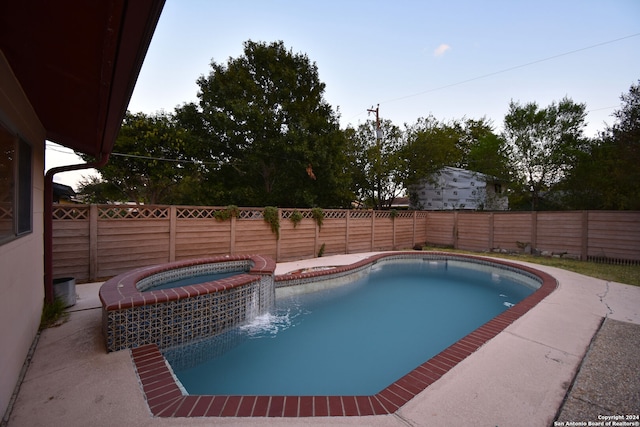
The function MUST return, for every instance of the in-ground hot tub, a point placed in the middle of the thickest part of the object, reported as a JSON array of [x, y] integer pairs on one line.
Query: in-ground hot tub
[[137, 310]]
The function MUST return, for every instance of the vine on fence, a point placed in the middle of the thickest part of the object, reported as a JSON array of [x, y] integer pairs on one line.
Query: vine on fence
[[296, 217], [318, 216], [272, 217], [227, 213]]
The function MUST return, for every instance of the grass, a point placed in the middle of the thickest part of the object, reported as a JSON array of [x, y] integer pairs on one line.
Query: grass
[[628, 274], [53, 314]]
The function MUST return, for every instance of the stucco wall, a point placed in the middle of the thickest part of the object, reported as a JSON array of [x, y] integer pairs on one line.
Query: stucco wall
[[21, 260]]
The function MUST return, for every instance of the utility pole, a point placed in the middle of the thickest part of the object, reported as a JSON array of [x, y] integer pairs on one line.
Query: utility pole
[[378, 130]]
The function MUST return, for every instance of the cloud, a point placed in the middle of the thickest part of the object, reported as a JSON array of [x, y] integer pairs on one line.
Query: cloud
[[440, 50]]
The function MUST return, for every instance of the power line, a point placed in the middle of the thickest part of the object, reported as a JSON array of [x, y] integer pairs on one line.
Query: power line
[[514, 67], [506, 70], [603, 108], [164, 159]]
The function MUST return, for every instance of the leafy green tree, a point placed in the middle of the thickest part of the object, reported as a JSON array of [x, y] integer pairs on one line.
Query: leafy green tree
[[430, 146], [544, 143], [148, 164], [95, 190], [376, 165], [265, 133], [484, 151], [606, 176]]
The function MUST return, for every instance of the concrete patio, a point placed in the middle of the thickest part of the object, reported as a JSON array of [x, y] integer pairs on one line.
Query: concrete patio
[[521, 377]]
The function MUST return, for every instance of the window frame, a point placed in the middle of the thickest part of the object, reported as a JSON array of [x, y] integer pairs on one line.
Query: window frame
[[21, 187]]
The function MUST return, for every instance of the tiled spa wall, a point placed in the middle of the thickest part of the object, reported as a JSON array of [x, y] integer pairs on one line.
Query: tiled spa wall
[[184, 315]]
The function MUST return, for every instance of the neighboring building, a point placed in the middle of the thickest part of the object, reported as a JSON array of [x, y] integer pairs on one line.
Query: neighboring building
[[63, 194], [67, 71], [400, 203], [459, 189]]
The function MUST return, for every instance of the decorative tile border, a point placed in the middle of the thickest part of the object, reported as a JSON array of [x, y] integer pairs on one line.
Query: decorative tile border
[[177, 316], [174, 274], [299, 277], [166, 399]]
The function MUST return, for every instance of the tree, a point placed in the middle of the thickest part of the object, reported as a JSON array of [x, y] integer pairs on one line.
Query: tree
[[606, 176], [376, 163], [263, 123], [148, 165], [430, 146], [485, 152], [545, 143], [94, 190]]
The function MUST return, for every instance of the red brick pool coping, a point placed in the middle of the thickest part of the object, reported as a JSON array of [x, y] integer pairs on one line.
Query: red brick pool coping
[[166, 399], [121, 292]]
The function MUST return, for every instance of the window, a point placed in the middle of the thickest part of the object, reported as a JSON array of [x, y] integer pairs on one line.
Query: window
[[15, 186]]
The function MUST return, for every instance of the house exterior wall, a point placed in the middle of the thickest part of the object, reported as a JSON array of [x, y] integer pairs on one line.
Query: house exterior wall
[[458, 189], [21, 259]]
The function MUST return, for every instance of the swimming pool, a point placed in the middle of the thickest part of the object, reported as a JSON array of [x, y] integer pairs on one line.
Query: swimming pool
[[166, 398], [353, 339]]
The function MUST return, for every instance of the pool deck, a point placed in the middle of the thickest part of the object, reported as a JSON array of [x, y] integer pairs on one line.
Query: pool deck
[[520, 377]]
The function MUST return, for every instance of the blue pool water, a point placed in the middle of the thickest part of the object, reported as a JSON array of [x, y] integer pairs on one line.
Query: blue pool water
[[193, 280], [355, 339]]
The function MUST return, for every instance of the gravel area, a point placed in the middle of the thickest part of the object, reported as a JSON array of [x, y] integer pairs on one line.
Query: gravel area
[[608, 382]]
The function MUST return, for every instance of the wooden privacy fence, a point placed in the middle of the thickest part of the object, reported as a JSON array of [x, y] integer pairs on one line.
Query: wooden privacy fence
[[92, 242]]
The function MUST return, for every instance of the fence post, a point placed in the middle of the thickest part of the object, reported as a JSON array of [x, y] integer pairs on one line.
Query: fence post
[[393, 232], [373, 229], [232, 235], [277, 236], [93, 243], [316, 239], [413, 230], [426, 227], [172, 233], [584, 252], [534, 230], [455, 230], [346, 231], [491, 232]]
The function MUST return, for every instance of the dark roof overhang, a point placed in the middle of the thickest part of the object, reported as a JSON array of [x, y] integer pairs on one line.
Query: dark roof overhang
[[78, 62]]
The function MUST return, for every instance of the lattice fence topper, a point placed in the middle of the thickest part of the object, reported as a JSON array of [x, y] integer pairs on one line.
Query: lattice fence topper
[[251, 214], [197, 213], [288, 213], [383, 214], [404, 214], [132, 212], [74, 213], [335, 214], [361, 214]]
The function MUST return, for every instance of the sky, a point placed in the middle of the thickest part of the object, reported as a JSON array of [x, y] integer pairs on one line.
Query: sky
[[452, 59]]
